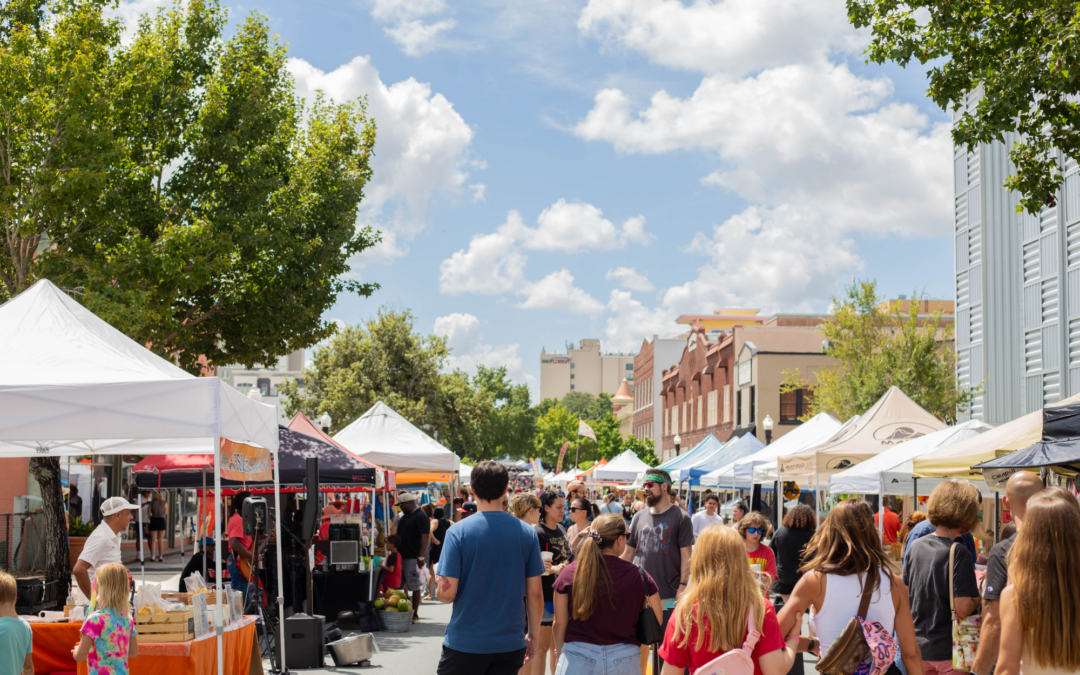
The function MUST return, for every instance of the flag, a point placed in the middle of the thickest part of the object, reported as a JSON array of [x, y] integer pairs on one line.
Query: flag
[[538, 470], [585, 430], [562, 453]]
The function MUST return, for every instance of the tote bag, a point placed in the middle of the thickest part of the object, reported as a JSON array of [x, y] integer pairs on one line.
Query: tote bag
[[965, 632]]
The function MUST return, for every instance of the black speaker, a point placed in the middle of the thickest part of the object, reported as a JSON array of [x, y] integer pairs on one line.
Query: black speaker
[[311, 504], [304, 641], [256, 516]]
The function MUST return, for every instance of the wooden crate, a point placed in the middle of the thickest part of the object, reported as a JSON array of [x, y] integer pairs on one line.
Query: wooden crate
[[166, 637], [169, 617], [168, 627], [184, 598]]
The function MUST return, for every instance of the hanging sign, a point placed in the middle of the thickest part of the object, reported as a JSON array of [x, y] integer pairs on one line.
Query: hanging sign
[[243, 462], [997, 478]]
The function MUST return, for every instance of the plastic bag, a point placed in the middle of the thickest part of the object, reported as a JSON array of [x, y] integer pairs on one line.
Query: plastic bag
[[195, 582], [149, 601]]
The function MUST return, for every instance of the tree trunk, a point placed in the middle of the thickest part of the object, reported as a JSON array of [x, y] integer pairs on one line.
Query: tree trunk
[[54, 536]]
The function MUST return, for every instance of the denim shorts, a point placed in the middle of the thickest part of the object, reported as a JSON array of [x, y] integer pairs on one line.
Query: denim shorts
[[582, 658]]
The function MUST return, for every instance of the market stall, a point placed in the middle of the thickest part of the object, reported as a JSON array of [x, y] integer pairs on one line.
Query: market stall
[[624, 468], [740, 472], [71, 384], [1059, 448]]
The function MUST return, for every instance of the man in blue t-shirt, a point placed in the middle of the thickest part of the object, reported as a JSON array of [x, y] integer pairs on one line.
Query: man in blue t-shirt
[[488, 563]]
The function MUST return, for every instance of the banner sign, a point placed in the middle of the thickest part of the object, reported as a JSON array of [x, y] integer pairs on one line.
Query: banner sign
[[562, 453], [537, 469], [243, 462], [997, 478]]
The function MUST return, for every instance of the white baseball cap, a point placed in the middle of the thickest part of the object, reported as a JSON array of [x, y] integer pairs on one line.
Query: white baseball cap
[[115, 505]]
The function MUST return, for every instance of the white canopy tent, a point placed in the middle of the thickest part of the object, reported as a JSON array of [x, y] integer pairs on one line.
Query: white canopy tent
[[891, 472], [71, 384], [741, 473], [383, 437], [464, 473], [768, 473], [624, 467]]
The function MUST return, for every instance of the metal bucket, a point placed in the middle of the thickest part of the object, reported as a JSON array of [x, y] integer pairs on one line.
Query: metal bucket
[[352, 649], [395, 622]]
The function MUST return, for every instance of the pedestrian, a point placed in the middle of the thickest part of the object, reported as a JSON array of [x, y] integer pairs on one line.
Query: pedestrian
[[925, 527], [554, 539], [597, 601], [914, 519], [489, 562], [611, 505], [1021, 487], [159, 509], [953, 511], [200, 560], [526, 507], [74, 503], [574, 489], [1040, 608], [391, 564], [660, 541], [580, 509], [108, 638], [738, 512], [16, 637], [714, 615], [241, 548], [457, 506], [789, 548], [844, 561], [466, 510], [103, 544], [753, 528], [892, 524], [414, 528], [439, 526], [708, 517]]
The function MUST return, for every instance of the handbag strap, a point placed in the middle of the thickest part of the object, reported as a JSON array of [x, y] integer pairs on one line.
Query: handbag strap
[[645, 582], [952, 558], [864, 604], [752, 634]]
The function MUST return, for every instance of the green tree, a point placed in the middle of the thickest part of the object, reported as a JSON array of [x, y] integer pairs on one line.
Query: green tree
[[382, 360], [879, 348], [1022, 54], [462, 414], [510, 422], [609, 442], [554, 428], [587, 406], [172, 183], [644, 448]]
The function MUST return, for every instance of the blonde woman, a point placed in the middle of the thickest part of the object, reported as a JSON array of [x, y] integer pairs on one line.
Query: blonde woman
[[159, 509], [1040, 608], [712, 615], [597, 601]]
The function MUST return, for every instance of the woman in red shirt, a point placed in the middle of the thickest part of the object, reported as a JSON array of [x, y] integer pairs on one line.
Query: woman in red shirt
[[711, 619], [752, 529]]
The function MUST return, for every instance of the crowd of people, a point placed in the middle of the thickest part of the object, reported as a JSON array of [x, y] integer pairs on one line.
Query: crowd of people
[[555, 583]]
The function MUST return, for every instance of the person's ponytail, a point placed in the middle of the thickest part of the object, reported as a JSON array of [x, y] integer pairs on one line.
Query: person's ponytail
[[591, 577]]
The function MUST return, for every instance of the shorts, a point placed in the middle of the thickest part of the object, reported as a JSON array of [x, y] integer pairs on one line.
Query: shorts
[[410, 574], [548, 617], [453, 662], [157, 524]]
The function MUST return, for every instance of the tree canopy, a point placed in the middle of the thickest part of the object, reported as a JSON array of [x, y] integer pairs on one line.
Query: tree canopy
[[877, 348], [1021, 55]]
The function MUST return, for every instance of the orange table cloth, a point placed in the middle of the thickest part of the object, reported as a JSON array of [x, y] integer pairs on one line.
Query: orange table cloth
[[53, 643]]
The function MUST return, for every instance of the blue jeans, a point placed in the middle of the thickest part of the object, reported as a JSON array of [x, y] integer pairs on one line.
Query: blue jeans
[[237, 581], [582, 658]]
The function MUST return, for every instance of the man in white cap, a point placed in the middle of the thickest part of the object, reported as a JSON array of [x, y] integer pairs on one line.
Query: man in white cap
[[414, 528], [103, 545]]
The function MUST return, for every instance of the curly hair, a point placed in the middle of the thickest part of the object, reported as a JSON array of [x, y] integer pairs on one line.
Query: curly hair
[[752, 519], [801, 518]]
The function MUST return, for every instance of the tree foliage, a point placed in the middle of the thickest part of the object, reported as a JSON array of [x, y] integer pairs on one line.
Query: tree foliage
[[1022, 55], [879, 348], [510, 421], [171, 185]]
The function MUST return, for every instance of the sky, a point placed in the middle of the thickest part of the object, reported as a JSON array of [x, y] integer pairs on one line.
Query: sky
[[553, 170]]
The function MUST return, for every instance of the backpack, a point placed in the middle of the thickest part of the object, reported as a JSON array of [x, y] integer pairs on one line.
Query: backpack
[[737, 661]]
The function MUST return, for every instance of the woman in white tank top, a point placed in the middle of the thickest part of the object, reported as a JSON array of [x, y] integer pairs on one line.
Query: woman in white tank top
[[832, 585]]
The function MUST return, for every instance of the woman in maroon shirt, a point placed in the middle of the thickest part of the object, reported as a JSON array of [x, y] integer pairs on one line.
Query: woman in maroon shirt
[[597, 601]]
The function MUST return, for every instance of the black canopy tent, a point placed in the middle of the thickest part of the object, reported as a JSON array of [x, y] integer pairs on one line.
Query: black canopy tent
[[337, 468], [1058, 449]]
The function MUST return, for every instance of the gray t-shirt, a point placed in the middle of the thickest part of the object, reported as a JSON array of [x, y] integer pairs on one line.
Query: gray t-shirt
[[657, 541], [926, 564]]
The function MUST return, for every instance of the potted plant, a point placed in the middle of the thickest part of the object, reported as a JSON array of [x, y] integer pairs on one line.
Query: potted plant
[[78, 531]]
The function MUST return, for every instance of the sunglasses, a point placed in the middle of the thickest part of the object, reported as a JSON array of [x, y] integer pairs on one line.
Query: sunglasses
[[754, 530], [577, 508], [649, 484]]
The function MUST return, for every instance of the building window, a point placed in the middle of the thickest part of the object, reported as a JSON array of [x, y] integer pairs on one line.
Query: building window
[[793, 405], [753, 406], [573, 365], [712, 408], [738, 408], [571, 376], [629, 366], [571, 386], [727, 403]]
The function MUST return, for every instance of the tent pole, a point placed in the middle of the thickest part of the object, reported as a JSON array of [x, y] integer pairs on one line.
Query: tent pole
[[202, 520], [280, 580], [142, 552], [217, 558], [997, 515], [881, 516], [915, 490]]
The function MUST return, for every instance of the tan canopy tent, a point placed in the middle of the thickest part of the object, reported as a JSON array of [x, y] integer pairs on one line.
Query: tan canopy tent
[[955, 461], [895, 418]]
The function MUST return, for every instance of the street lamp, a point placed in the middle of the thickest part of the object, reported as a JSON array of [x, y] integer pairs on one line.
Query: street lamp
[[324, 422], [678, 442], [766, 424]]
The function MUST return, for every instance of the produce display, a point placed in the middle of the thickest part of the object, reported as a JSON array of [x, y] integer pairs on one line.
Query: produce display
[[393, 601]]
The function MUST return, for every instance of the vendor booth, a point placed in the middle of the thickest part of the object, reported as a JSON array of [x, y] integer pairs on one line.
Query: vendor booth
[[383, 437], [740, 472], [71, 384], [736, 448], [1059, 448], [624, 468]]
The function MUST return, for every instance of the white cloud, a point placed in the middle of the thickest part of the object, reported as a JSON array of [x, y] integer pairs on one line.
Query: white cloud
[[422, 146], [630, 279], [492, 264], [632, 321], [733, 36], [414, 36], [131, 11], [557, 291], [576, 227], [478, 192], [463, 336]]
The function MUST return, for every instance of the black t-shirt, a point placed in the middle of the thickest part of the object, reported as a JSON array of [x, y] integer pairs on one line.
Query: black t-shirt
[[997, 569], [195, 564], [926, 565], [442, 525], [411, 528], [788, 544], [556, 542]]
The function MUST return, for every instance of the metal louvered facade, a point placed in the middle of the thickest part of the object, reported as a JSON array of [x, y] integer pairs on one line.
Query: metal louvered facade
[[1017, 287]]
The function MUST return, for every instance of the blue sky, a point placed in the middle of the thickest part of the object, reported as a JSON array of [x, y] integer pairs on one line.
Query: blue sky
[[551, 171]]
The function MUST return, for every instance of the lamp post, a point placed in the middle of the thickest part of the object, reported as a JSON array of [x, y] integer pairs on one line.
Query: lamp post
[[324, 422], [678, 442], [766, 424]]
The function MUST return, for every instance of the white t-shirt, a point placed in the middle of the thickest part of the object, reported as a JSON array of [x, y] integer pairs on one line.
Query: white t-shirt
[[703, 520], [102, 547]]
